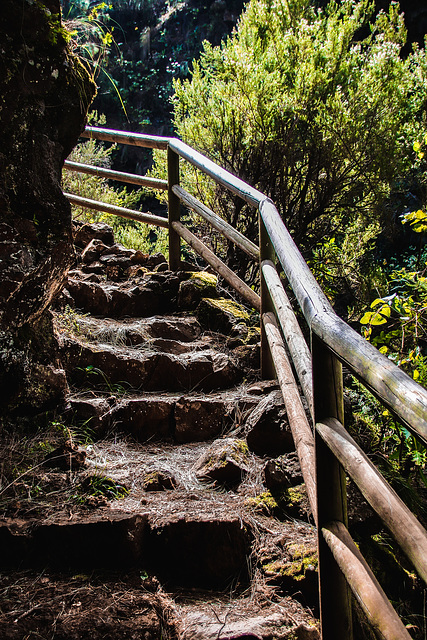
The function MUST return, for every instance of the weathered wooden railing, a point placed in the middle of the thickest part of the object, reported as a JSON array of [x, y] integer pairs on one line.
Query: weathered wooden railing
[[329, 453]]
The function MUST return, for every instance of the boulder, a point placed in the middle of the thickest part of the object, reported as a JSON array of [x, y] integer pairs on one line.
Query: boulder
[[45, 95], [267, 428], [224, 463], [200, 284], [84, 233], [221, 314], [283, 472]]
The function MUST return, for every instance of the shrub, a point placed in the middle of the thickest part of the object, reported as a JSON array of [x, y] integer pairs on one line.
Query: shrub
[[304, 106]]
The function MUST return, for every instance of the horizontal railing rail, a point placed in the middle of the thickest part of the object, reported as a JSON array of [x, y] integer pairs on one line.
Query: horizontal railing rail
[[326, 452]]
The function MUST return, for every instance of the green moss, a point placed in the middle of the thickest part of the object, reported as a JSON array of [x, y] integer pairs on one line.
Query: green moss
[[264, 502], [294, 496], [204, 279], [302, 559], [230, 307]]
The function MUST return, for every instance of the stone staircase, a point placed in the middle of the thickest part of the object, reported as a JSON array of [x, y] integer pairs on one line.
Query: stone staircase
[[202, 509]]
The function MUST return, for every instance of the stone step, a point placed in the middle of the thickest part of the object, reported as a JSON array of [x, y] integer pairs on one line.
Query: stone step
[[154, 330], [168, 416], [146, 368], [151, 294], [192, 535]]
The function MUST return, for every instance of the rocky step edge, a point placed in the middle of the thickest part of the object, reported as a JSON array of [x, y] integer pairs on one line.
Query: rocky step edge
[[183, 479], [176, 353]]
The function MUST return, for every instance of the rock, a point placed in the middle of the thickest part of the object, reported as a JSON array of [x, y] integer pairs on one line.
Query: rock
[[44, 99], [86, 232], [92, 413], [147, 418], [155, 259], [159, 481], [294, 502], [155, 295], [283, 472], [107, 365], [85, 544], [248, 355], [263, 386], [259, 623], [184, 329], [200, 284], [201, 418], [67, 457], [296, 571], [224, 463], [198, 551], [267, 429], [92, 251], [221, 314]]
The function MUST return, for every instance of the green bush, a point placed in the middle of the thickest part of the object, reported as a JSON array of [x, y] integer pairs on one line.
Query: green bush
[[303, 106]]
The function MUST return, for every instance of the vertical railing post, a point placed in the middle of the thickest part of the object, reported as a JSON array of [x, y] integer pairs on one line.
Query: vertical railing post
[[335, 598], [174, 209], [266, 252]]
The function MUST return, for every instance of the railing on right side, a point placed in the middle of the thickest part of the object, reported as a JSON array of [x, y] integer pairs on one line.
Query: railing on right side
[[328, 454]]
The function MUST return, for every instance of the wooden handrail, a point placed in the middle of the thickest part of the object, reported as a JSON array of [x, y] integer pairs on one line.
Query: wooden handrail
[[219, 266], [217, 223], [368, 592], [120, 176], [406, 398], [331, 450], [147, 217], [126, 137], [400, 521]]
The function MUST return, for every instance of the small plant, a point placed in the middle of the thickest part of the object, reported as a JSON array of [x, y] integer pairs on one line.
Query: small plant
[[100, 486]]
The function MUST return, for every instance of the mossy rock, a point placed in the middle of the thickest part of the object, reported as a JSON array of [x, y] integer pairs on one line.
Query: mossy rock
[[264, 503], [199, 284], [159, 481], [294, 502], [221, 314], [225, 463], [296, 571]]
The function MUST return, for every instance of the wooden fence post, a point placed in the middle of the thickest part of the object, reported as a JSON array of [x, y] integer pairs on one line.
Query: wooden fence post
[[266, 252], [174, 211], [334, 592]]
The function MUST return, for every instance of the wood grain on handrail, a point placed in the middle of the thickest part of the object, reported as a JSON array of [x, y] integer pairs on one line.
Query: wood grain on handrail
[[221, 176], [294, 337], [366, 588], [301, 430], [394, 387], [126, 137], [140, 216], [409, 533], [120, 176]]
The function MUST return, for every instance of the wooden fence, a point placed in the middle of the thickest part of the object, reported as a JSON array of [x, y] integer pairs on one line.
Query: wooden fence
[[326, 453]]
